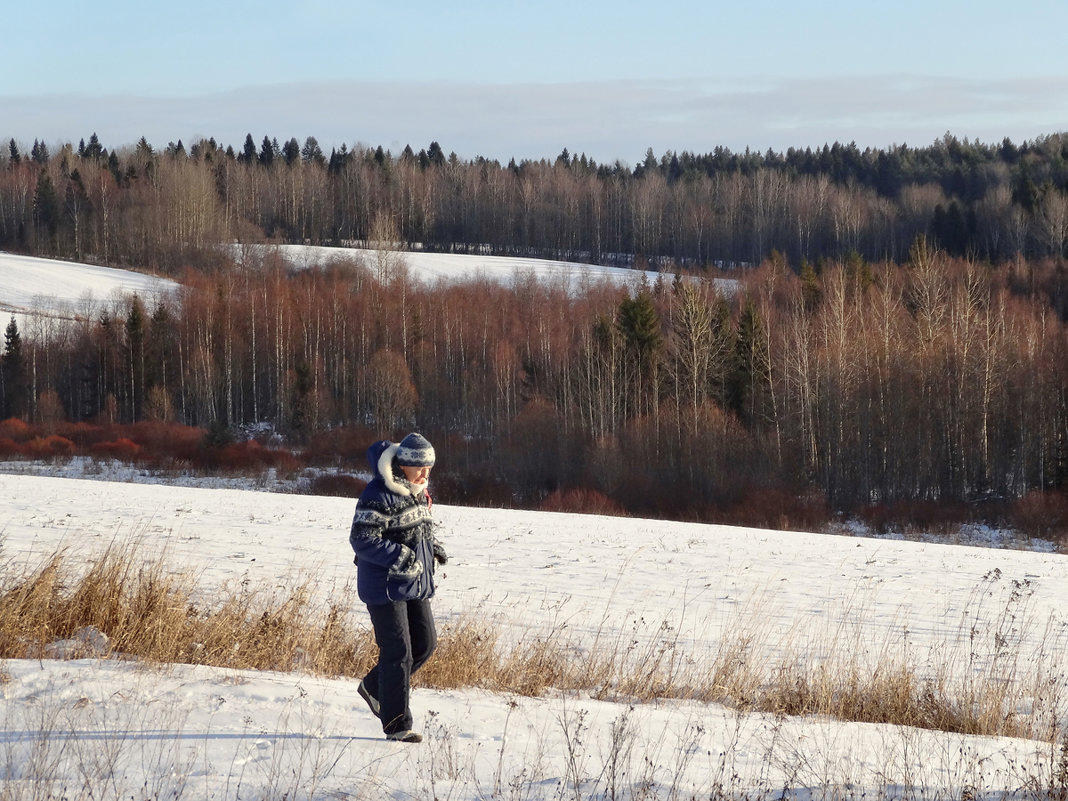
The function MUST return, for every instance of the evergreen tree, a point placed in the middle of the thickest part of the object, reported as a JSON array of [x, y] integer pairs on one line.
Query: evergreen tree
[[859, 272], [13, 151], [435, 154], [248, 152], [638, 323], [266, 157], [811, 291], [94, 150], [311, 152], [46, 207], [291, 152], [159, 347], [12, 374], [39, 152], [751, 364], [135, 362]]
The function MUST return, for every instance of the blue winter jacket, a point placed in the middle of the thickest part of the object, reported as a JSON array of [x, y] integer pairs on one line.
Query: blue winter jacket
[[392, 535]]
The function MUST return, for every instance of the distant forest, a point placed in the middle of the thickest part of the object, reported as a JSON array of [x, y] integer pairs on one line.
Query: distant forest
[[166, 208], [895, 338]]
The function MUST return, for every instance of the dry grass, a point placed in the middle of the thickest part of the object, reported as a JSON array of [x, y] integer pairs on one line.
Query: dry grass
[[148, 611], [152, 613]]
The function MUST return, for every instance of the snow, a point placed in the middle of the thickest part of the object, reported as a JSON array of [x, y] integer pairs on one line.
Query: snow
[[215, 733], [457, 267], [35, 287], [84, 726]]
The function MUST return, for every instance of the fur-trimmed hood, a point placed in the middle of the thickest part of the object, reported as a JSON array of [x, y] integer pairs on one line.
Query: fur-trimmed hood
[[380, 456]]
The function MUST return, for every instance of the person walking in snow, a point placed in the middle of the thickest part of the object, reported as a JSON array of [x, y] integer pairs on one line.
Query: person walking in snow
[[392, 535]]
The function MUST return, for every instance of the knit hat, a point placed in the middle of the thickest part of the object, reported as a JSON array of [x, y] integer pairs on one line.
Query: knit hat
[[415, 451]]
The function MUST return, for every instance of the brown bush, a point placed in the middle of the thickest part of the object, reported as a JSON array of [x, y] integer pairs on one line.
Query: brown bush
[[338, 485], [943, 516], [85, 435], [479, 490], [123, 450], [16, 429], [50, 447], [582, 501], [247, 458], [344, 446], [165, 442], [780, 509], [1041, 514]]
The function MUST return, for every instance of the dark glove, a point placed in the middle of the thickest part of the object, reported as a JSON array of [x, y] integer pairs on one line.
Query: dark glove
[[439, 554]]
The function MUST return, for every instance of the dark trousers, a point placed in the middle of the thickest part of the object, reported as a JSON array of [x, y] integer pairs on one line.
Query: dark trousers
[[406, 638]]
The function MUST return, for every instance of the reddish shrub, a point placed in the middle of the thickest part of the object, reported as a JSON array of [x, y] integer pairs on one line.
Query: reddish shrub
[[85, 435], [1041, 514], [345, 445], [248, 458], [16, 429], [121, 449], [165, 442], [479, 490], [780, 509], [9, 448], [582, 501], [49, 447], [338, 485], [939, 517]]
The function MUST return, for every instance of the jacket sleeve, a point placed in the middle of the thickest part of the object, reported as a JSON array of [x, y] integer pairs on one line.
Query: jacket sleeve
[[367, 541]]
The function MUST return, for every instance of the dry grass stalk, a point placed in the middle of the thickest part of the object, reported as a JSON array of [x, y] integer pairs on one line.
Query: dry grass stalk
[[151, 613]]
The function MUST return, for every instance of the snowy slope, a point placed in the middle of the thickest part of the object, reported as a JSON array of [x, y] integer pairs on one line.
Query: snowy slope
[[36, 289], [33, 287], [122, 730], [229, 734], [449, 267]]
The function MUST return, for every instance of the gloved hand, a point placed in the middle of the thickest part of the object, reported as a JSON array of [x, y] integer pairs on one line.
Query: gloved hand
[[406, 567], [439, 554]]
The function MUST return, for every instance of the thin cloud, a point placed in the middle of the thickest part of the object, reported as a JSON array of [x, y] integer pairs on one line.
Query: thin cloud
[[605, 120]]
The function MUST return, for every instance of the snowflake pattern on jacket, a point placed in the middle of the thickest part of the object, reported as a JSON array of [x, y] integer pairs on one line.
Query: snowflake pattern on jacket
[[393, 535]]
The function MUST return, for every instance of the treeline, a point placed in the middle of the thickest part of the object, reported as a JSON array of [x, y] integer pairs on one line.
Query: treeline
[[168, 208], [858, 384]]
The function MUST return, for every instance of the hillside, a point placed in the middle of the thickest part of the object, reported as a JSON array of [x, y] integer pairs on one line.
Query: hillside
[[959, 615]]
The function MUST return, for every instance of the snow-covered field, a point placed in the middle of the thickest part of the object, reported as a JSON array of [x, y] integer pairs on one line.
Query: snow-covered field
[[48, 288], [39, 289], [95, 728], [135, 731], [451, 267]]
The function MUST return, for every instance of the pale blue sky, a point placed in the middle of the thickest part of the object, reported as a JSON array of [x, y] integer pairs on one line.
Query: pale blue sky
[[499, 79]]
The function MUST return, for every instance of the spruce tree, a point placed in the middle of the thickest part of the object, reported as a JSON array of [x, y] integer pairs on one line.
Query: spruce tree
[[311, 152], [46, 207], [248, 152], [267, 149], [751, 364], [291, 152], [12, 370], [638, 323], [94, 150], [39, 152]]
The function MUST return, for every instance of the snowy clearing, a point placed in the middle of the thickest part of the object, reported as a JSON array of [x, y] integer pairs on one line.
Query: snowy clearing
[[228, 734], [35, 287]]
